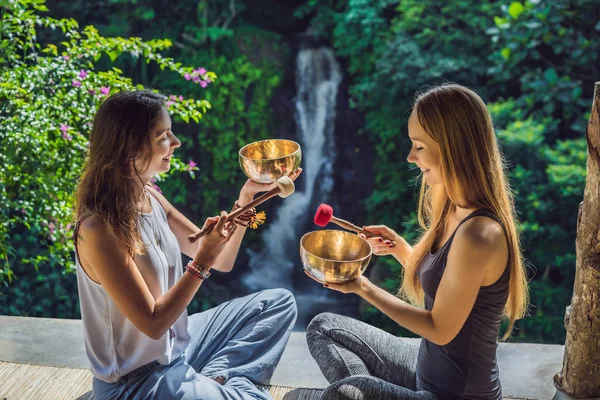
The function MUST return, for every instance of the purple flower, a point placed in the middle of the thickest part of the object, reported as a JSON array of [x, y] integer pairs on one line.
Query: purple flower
[[64, 128], [209, 80], [91, 91], [196, 79], [169, 103], [203, 84], [180, 98], [66, 58], [82, 74], [173, 97], [201, 71], [76, 83], [105, 90], [23, 211], [67, 136], [156, 188], [187, 76], [191, 165]]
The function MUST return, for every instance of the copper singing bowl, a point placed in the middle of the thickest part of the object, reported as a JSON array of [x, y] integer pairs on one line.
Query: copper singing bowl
[[334, 256], [268, 160]]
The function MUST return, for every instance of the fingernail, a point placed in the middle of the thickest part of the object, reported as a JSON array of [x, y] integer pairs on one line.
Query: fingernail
[[325, 285], [380, 239]]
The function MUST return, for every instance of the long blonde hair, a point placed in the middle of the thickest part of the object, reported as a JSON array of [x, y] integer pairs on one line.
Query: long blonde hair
[[473, 170]]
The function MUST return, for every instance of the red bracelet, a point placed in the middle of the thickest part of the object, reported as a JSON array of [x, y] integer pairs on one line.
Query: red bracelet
[[195, 270]]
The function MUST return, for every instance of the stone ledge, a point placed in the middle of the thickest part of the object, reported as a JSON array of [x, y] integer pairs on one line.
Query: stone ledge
[[526, 370]]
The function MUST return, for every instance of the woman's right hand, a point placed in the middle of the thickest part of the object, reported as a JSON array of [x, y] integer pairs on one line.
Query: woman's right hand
[[380, 245], [212, 244]]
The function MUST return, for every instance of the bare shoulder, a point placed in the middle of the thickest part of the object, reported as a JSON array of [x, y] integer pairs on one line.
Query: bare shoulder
[[94, 234], [483, 233]]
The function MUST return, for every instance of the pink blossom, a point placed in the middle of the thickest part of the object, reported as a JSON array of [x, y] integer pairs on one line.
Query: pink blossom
[[201, 71], [67, 136], [76, 83], [180, 98], [203, 84], [69, 226], [209, 80], [64, 128], [105, 90], [191, 165], [82, 74], [187, 76], [169, 103], [156, 188], [91, 91], [51, 227], [66, 58], [23, 211], [196, 79], [172, 97]]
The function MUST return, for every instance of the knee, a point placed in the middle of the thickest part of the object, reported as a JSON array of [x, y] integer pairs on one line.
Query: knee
[[283, 299], [321, 323]]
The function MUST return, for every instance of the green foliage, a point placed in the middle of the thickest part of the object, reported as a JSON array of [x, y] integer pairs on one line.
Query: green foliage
[[49, 94]]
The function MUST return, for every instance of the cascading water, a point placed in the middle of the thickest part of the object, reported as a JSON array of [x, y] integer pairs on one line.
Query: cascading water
[[318, 76]]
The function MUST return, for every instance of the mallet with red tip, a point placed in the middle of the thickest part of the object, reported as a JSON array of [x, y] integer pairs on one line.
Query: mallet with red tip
[[324, 215]]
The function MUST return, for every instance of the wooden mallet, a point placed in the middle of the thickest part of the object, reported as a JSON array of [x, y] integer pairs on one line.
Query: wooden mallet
[[324, 215], [285, 187]]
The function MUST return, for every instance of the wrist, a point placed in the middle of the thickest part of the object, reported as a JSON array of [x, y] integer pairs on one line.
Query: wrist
[[364, 286], [244, 198]]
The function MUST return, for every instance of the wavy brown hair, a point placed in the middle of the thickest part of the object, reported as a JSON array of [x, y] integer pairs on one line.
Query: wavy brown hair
[[110, 187], [473, 170]]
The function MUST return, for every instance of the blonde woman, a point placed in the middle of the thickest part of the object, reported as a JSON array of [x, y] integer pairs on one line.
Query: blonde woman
[[466, 269], [134, 289]]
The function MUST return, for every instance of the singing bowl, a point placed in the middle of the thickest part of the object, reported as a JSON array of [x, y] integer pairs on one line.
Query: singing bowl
[[334, 256], [266, 161]]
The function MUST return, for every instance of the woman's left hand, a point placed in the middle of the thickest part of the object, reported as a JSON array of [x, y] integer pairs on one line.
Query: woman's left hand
[[354, 286], [251, 188]]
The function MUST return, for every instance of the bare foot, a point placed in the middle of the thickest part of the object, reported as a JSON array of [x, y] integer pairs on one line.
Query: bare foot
[[220, 380]]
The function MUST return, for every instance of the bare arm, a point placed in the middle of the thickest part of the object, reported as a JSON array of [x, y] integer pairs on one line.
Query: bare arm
[[117, 272], [182, 227], [479, 248], [381, 247]]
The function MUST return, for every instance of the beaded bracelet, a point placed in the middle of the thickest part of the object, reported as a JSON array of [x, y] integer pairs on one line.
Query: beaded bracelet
[[250, 218], [195, 270]]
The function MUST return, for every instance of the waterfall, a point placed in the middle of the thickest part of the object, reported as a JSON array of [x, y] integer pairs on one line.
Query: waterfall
[[317, 79]]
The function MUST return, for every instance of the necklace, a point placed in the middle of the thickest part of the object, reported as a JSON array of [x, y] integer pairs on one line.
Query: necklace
[[155, 225]]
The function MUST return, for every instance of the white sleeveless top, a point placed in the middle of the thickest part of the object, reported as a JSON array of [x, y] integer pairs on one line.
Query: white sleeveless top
[[113, 344]]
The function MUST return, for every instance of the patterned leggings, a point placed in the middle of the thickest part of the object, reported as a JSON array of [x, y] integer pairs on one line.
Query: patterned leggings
[[363, 362]]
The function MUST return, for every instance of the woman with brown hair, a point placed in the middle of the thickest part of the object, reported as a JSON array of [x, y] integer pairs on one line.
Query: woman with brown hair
[[133, 288], [466, 269]]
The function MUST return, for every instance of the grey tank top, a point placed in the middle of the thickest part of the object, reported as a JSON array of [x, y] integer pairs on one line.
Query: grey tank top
[[114, 345], [465, 368]]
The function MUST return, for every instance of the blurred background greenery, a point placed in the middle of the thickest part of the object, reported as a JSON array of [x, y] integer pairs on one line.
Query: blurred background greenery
[[533, 62]]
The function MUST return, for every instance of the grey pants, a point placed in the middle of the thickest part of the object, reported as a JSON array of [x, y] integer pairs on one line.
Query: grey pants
[[363, 362], [241, 340]]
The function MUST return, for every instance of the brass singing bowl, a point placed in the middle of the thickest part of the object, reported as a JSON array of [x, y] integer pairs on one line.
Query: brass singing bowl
[[334, 256], [268, 160]]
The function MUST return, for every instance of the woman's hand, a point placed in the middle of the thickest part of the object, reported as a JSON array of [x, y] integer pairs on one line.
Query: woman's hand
[[251, 188], [355, 286], [212, 244], [381, 246]]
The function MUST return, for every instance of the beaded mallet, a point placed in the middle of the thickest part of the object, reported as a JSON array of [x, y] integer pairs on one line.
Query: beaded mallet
[[324, 215], [285, 187]]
